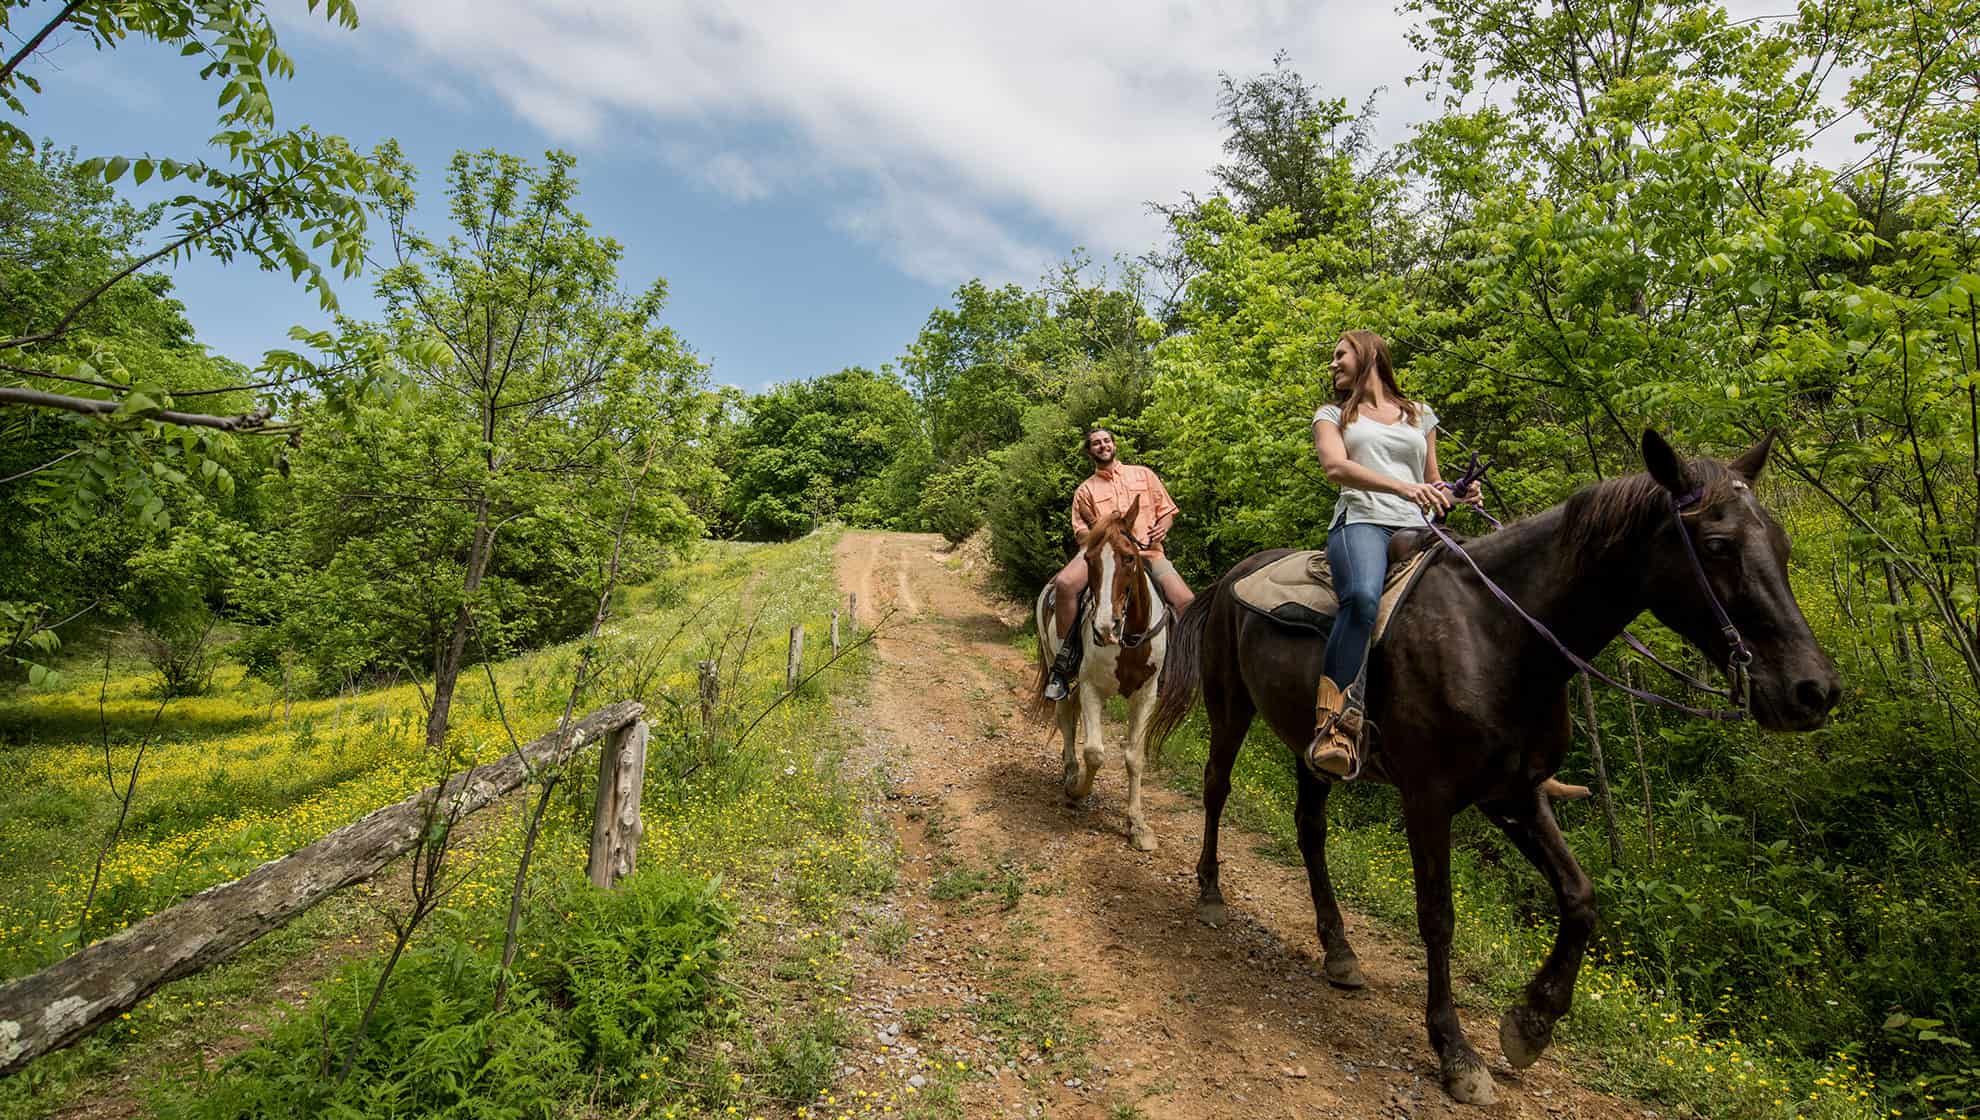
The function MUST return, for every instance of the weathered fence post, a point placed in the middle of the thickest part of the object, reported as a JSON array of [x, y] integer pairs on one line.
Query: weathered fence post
[[1601, 773], [852, 610], [711, 694], [794, 667], [615, 823], [835, 633]]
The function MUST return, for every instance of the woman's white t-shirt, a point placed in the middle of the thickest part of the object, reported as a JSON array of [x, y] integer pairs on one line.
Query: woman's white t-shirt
[[1397, 450]]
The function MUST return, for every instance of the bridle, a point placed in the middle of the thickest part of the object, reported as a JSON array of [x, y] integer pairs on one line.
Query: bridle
[[1739, 661], [1161, 605]]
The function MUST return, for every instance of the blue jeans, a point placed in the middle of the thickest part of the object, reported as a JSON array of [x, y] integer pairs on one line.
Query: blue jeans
[[1358, 553]]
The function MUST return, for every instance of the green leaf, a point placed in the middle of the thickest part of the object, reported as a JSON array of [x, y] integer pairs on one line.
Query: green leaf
[[37, 675], [114, 170], [138, 404]]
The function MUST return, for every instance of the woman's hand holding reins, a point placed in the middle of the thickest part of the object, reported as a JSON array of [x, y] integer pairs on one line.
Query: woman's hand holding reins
[[1430, 497]]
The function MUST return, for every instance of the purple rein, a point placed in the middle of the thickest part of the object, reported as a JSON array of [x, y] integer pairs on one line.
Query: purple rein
[[1738, 660]]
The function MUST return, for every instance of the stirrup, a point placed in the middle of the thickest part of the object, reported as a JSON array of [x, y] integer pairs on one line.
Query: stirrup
[[1056, 688], [1324, 734]]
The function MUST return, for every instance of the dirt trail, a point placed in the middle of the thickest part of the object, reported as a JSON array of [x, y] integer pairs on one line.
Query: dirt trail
[[1183, 1021]]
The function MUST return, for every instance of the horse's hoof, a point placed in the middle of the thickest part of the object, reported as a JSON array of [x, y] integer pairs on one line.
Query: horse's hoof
[[1468, 1082], [1212, 914], [1143, 838], [1519, 1040], [1345, 972]]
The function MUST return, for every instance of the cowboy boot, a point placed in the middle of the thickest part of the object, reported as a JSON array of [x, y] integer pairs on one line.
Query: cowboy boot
[[1336, 733], [1058, 685]]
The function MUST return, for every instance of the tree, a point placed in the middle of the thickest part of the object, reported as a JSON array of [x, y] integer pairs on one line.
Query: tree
[[537, 381], [283, 195], [843, 445], [101, 393]]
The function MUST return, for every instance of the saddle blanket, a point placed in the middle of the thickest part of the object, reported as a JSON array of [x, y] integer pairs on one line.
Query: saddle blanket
[[1297, 590]]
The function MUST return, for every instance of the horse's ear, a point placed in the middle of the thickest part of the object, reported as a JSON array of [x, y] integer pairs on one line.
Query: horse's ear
[[1664, 464], [1134, 507], [1748, 465]]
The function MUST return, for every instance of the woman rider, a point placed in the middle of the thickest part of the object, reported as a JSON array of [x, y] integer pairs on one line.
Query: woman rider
[[1380, 448]]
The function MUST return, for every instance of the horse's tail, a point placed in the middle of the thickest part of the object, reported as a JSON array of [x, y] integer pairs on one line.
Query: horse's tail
[[1182, 669]]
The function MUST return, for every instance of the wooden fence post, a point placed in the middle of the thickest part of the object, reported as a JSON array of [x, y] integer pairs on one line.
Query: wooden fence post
[[615, 823], [711, 695], [794, 667], [835, 633], [1601, 773], [852, 610]]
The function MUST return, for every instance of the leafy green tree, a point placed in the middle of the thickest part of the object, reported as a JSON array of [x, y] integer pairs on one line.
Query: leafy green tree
[[88, 338], [537, 385], [844, 445]]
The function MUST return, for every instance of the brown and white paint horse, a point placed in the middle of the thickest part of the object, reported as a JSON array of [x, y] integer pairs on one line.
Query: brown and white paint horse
[[1126, 635]]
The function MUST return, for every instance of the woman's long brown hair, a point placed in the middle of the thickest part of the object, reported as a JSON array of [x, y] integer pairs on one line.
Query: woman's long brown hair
[[1371, 352]]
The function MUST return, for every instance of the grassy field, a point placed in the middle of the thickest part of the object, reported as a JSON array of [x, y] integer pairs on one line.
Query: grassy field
[[760, 839]]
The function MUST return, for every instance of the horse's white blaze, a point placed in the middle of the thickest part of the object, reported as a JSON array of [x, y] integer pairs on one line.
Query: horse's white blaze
[[1103, 598]]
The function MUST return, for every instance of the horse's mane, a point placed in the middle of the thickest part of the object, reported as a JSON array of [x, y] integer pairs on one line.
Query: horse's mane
[[1599, 517]]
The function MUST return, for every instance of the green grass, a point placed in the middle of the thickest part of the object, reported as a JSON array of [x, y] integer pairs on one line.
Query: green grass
[[777, 819]]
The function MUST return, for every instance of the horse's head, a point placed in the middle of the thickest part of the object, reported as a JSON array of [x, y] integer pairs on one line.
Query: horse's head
[[1744, 554], [1113, 571]]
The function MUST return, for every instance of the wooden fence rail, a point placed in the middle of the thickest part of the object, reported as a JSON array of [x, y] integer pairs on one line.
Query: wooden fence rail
[[65, 1001]]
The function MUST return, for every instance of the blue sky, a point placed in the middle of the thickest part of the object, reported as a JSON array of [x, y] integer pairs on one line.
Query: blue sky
[[811, 180]]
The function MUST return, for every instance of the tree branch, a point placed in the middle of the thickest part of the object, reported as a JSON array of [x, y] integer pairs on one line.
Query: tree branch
[[34, 43], [245, 422]]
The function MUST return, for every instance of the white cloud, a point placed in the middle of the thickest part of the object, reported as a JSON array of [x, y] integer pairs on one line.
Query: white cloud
[[960, 139]]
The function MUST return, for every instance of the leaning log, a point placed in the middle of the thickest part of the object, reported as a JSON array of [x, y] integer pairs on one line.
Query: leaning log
[[65, 1001]]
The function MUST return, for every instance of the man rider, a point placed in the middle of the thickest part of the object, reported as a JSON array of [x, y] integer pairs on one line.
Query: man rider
[[1111, 488]]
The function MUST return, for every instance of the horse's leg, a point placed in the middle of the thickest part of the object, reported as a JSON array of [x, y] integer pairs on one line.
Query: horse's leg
[[1067, 712], [1093, 751], [1230, 712], [1528, 1027], [1428, 820], [1140, 706], [1343, 969]]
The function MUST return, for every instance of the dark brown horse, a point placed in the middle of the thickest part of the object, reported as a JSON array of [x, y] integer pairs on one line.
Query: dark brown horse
[[1471, 703]]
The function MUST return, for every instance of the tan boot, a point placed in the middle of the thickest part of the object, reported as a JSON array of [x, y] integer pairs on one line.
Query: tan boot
[[1336, 733]]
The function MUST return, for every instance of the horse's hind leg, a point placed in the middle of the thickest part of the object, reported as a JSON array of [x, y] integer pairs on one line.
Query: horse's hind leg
[[1528, 1027], [1134, 752], [1342, 967], [1230, 714], [1428, 821]]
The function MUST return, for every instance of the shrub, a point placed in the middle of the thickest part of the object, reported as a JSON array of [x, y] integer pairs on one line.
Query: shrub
[[431, 1049], [634, 968], [952, 503]]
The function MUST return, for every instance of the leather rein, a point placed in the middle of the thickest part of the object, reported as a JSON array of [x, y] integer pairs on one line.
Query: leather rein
[[1739, 691]]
